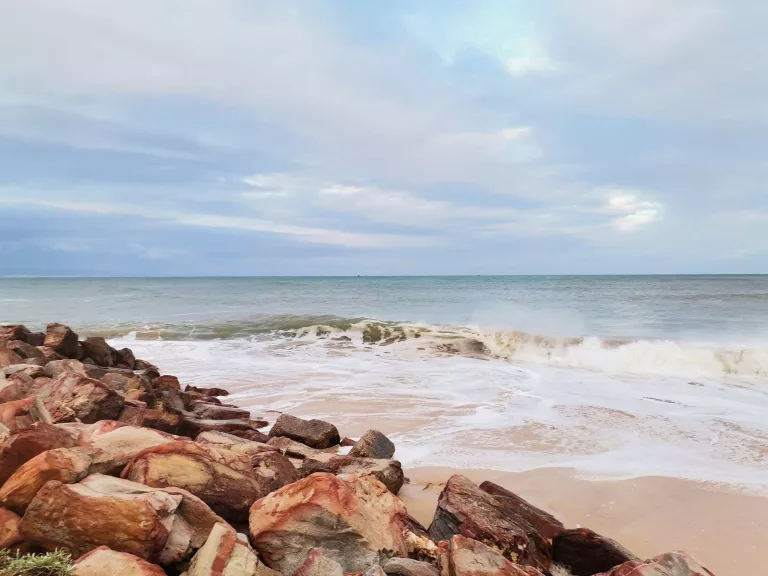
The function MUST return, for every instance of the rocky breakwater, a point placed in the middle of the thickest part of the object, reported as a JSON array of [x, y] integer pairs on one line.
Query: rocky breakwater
[[106, 459]]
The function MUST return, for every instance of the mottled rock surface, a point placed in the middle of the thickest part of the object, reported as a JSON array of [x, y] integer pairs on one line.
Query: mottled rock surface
[[585, 552], [373, 444], [314, 433]]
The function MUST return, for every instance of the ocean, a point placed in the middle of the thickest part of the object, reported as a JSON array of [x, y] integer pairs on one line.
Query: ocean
[[613, 376]]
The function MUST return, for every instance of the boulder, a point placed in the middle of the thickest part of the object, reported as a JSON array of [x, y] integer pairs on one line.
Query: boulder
[[317, 564], [222, 479], [191, 426], [150, 418], [24, 350], [462, 556], [375, 570], [17, 387], [166, 381], [670, 564], [23, 413], [408, 567], [124, 383], [116, 446], [234, 443], [76, 397], [585, 552], [97, 349], [466, 510], [313, 433], [373, 444], [56, 368], [223, 554], [217, 412], [102, 561], [13, 332], [23, 445], [545, 524], [31, 370], [125, 358], [162, 526], [207, 391], [355, 521], [273, 470], [66, 465], [8, 357], [10, 533], [62, 339], [347, 442], [388, 472], [35, 339], [255, 435], [293, 449]]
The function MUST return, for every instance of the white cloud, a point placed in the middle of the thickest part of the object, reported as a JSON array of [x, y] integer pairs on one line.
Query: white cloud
[[634, 212], [522, 65]]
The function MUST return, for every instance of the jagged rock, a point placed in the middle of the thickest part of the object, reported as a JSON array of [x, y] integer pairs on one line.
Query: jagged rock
[[317, 564], [191, 426], [355, 521], [124, 357], [347, 442], [8, 357], [118, 444], [78, 397], [546, 524], [56, 368], [167, 381], [22, 445], [254, 435], [13, 332], [373, 444], [161, 526], [102, 562], [24, 350], [462, 556], [408, 567], [216, 412], [10, 532], [222, 479], [375, 570], [62, 339], [273, 470], [234, 443], [23, 413], [150, 418], [313, 433], [35, 338], [124, 383], [207, 391], [66, 465], [17, 387], [31, 370], [670, 564], [292, 448], [466, 510], [585, 552], [388, 472], [97, 349], [420, 546], [223, 554]]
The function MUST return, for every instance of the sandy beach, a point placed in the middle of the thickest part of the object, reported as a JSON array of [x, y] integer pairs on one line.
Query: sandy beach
[[723, 528]]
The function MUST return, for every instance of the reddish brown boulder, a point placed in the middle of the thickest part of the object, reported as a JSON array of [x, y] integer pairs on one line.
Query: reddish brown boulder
[[388, 472], [222, 479], [317, 564], [234, 443], [466, 510], [167, 381], [125, 358], [62, 339], [205, 410], [150, 418], [31, 370], [23, 349], [313, 433], [17, 387], [76, 397], [49, 353], [346, 442], [35, 338], [355, 521], [10, 533], [408, 567], [254, 435], [56, 368], [223, 554], [462, 556], [586, 553], [373, 444], [292, 448], [23, 413], [273, 470], [545, 524], [67, 465], [13, 332], [23, 445], [102, 562], [97, 349], [669, 564], [8, 357], [207, 391], [116, 445], [191, 426]]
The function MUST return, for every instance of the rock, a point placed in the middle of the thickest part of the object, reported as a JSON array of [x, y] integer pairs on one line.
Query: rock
[[254, 435], [10, 532], [462, 556], [347, 442], [66, 465], [62, 339], [161, 526], [207, 391], [35, 338], [23, 445], [234, 443], [420, 546], [273, 470], [373, 444], [293, 449], [355, 521], [23, 413], [191, 426], [215, 412], [102, 561], [408, 567], [313, 433], [123, 383], [223, 554], [78, 397], [49, 353], [56, 368], [388, 472], [97, 349], [24, 350], [167, 381], [222, 479], [13, 332], [150, 418], [18, 386], [317, 564], [375, 570], [31, 370], [466, 510], [545, 524], [585, 552], [8, 357], [117, 446], [669, 564]]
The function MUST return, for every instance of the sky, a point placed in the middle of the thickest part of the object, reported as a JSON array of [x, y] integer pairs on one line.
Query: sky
[[241, 137]]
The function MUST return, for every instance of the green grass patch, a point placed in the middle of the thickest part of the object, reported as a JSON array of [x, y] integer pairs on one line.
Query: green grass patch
[[51, 564]]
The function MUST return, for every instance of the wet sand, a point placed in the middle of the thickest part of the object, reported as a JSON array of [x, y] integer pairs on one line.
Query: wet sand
[[725, 529]]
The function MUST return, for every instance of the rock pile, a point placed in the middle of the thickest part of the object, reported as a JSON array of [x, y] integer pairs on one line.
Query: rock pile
[[105, 458]]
